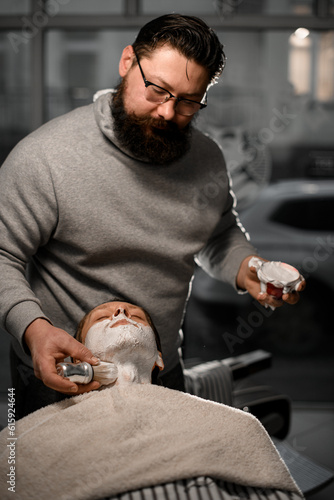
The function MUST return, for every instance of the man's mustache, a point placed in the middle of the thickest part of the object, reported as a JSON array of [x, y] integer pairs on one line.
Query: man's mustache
[[158, 123]]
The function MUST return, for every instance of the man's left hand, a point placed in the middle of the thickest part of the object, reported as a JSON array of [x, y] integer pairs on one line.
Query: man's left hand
[[247, 280]]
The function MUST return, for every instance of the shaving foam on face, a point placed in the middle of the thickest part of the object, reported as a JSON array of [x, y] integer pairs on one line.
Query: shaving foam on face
[[131, 346]]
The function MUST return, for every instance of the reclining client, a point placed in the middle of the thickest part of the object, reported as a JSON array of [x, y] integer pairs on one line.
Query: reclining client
[[131, 434]]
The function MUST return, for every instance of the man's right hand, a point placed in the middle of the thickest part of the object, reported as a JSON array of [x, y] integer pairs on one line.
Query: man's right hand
[[50, 345]]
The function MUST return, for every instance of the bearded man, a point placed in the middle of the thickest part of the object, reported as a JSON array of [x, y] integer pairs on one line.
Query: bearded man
[[114, 201]]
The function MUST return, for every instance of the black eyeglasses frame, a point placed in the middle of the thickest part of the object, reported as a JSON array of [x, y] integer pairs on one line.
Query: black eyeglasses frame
[[171, 96]]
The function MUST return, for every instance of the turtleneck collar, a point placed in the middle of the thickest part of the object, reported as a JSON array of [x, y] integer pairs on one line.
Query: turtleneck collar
[[102, 110]]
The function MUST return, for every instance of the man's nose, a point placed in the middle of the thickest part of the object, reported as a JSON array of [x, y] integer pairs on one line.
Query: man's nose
[[121, 310], [166, 110]]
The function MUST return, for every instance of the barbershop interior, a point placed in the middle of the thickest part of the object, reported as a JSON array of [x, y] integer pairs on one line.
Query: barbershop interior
[[272, 113]]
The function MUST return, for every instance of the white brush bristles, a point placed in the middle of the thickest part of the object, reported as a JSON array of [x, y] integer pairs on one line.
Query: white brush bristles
[[105, 373]]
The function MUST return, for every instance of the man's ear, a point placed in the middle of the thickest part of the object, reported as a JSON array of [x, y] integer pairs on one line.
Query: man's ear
[[126, 60], [158, 362]]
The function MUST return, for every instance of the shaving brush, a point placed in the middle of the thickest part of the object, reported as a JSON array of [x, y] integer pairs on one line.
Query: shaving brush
[[83, 373]]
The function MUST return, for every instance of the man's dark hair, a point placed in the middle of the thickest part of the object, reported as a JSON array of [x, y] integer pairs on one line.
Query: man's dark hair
[[191, 36]]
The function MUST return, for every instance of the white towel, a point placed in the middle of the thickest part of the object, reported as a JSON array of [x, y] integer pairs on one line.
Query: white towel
[[126, 437]]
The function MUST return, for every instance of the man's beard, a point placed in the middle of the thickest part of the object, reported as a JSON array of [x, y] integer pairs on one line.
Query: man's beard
[[156, 140]]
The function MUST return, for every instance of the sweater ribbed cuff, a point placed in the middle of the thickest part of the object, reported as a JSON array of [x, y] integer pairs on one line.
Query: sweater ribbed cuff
[[229, 273], [20, 317]]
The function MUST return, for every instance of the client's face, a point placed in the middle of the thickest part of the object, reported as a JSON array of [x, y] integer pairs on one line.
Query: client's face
[[120, 313], [120, 332]]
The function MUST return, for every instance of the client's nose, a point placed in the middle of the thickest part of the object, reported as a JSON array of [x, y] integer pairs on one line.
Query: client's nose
[[120, 310]]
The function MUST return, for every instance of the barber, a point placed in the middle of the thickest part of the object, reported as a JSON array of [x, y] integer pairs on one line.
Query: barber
[[106, 203]]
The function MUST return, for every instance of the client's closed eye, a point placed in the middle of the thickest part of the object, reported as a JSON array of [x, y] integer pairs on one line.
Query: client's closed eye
[[102, 318], [138, 317]]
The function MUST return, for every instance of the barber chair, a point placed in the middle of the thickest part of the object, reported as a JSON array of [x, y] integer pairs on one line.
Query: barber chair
[[225, 382]]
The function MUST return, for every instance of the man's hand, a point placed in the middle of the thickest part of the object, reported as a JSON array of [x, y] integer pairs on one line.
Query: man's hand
[[247, 280], [50, 345]]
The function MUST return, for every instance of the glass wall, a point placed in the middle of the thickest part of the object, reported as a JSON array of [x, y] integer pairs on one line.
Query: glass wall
[[14, 7], [283, 72], [196, 8], [278, 94], [78, 63], [15, 87], [84, 6], [225, 8]]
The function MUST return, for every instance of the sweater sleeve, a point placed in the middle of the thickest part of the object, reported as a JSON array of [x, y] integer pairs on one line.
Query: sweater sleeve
[[28, 216], [227, 247]]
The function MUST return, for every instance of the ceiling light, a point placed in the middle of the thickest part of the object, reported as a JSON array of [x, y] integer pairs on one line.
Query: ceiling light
[[301, 33]]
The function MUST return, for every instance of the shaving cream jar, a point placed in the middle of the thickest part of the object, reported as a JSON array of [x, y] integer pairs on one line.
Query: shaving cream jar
[[276, 278]]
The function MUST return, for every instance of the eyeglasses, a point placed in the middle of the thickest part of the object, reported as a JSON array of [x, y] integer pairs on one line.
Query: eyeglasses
[[159, 95]]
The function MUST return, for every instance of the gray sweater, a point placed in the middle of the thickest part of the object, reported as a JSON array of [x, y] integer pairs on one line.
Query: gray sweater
[[83, 222]]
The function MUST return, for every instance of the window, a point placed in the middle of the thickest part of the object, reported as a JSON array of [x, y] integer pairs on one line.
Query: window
[[84, 7], [195, 8], [79, 63], [311, 64], [9, 7], [15, 88]]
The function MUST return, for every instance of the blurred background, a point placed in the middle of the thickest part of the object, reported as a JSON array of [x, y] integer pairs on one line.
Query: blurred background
[[273, 114]]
